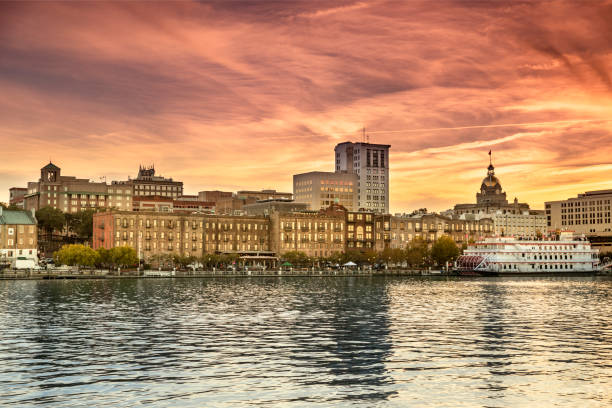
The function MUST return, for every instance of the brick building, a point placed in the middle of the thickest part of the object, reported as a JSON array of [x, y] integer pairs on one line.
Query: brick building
[[18, 236]]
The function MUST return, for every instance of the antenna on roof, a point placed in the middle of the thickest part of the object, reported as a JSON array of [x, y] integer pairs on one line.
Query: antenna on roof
[[365, 138]]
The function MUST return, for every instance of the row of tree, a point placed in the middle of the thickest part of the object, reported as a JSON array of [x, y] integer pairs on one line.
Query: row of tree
[[81, 255], [417, 253]]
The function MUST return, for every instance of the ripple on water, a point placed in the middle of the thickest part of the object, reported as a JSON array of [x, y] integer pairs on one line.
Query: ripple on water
[[306, 342]]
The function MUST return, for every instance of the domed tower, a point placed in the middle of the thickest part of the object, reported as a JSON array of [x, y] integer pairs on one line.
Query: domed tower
[[491, 190]]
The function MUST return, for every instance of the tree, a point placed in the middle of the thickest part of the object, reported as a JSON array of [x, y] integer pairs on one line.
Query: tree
[[123, 256], [76, 255], [296, 258], [81, 223], [50, 219], [417, 253], [444, 250]]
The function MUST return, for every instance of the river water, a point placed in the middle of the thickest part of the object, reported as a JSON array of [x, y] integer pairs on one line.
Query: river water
[[307, 342]]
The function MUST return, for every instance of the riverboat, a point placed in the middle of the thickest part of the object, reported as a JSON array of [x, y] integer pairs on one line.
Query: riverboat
[[520, 256]]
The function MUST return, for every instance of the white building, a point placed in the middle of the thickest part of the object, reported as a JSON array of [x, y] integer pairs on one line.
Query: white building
[[588, 214], [526, 224], [320, 189], [370, 162]]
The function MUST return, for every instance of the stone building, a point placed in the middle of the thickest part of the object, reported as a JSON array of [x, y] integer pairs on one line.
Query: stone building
[[18, 236], [71, 194], [491, 199], [320, 189], [147, 184], [317, 234], [159, 233], [587, 214], [398, 231], [370, 162], [173, 205]]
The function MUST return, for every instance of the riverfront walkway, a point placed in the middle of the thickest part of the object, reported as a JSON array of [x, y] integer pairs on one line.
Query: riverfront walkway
[[106, 274]]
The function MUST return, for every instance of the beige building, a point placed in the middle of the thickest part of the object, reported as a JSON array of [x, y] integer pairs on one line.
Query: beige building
[[399, 231], [321, 189], [587, 214], [316, 234], [147, 184], [71, 194], [18, 236], [528, 224], [155, 233]]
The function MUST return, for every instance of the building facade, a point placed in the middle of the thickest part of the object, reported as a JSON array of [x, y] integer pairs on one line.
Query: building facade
[[320, 189], [158, 233], [528, 224], [17, 195], [399, 231], [147, 184], [263, 195], [370, 162], [172, 205], [587, 214], [70, 194], [18, 236], [314, 233], [267, 207]]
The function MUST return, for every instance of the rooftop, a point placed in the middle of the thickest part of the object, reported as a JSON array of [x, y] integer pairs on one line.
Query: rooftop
[[10, 217]]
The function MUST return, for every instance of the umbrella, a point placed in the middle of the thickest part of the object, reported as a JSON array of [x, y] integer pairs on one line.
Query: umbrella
[[286, 264], [350, 263]]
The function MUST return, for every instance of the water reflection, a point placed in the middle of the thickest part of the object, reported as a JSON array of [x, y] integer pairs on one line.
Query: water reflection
[[304, 342]]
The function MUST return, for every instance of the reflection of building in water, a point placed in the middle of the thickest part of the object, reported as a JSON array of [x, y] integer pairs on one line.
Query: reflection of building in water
[[351, 322]]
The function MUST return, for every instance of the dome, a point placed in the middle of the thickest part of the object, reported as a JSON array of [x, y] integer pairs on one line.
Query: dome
[[491, 181]]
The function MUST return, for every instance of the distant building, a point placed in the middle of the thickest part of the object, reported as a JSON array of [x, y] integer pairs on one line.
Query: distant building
[[320, 189], [267, 207], [16, 196], [71, 194], [491, 199], [172, 205], [214, 196], [263, 195], [18, 236], [370, 162], [587, 214], [147, 184], [528, 224]]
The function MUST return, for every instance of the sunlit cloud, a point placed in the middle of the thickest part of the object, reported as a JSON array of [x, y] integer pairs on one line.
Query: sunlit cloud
[[239, 95]]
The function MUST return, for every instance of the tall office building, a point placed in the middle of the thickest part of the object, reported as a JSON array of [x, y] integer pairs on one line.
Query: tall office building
[[370, 162], [320, 189]]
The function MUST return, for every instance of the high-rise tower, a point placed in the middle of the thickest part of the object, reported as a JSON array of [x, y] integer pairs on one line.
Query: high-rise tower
[[370, 162]]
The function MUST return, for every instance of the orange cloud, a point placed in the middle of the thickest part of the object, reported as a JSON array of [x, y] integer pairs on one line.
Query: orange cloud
[[243, 95]]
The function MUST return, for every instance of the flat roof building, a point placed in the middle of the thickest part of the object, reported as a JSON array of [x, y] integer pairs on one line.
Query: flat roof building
[[320, 189]]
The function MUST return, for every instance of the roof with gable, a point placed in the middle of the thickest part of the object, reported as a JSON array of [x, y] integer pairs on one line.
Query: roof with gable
[[50, 166]]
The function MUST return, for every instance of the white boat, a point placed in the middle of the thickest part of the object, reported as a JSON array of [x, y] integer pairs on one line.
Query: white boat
[[516, 256]]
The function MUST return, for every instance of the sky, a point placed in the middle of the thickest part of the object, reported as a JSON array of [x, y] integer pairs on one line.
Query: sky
[[242, 95]]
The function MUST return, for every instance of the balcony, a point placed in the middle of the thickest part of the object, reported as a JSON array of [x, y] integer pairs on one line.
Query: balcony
[[148, 238], [194, 239], [305, 229], [304, 240], [170, 239], [337, 229], [337, 240], [124, 225], [288, 228], [148, 226]]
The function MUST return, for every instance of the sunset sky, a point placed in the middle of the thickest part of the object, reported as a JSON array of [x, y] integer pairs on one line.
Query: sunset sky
[[235, 95]]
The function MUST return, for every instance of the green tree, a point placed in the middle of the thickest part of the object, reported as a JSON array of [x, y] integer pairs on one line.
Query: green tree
[[76, 255], [123, 256], [50, 219], [417, 253], [81, 223], [444, 250], [295, 258]]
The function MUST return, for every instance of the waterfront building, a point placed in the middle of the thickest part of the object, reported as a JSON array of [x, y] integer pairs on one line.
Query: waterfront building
[[70, 194], [491, 199], [159, 233], [18, 236], [527, 224], [587, 214], [399, 230], [320, 189], [370, 162], [317, 234], [267, 207], [147, 184]]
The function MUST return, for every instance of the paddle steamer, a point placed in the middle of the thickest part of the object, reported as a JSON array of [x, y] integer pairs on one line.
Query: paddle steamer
[[515, 256]]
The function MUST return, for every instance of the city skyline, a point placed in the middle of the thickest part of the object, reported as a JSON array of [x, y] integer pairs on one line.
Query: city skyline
[[100, 88]]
